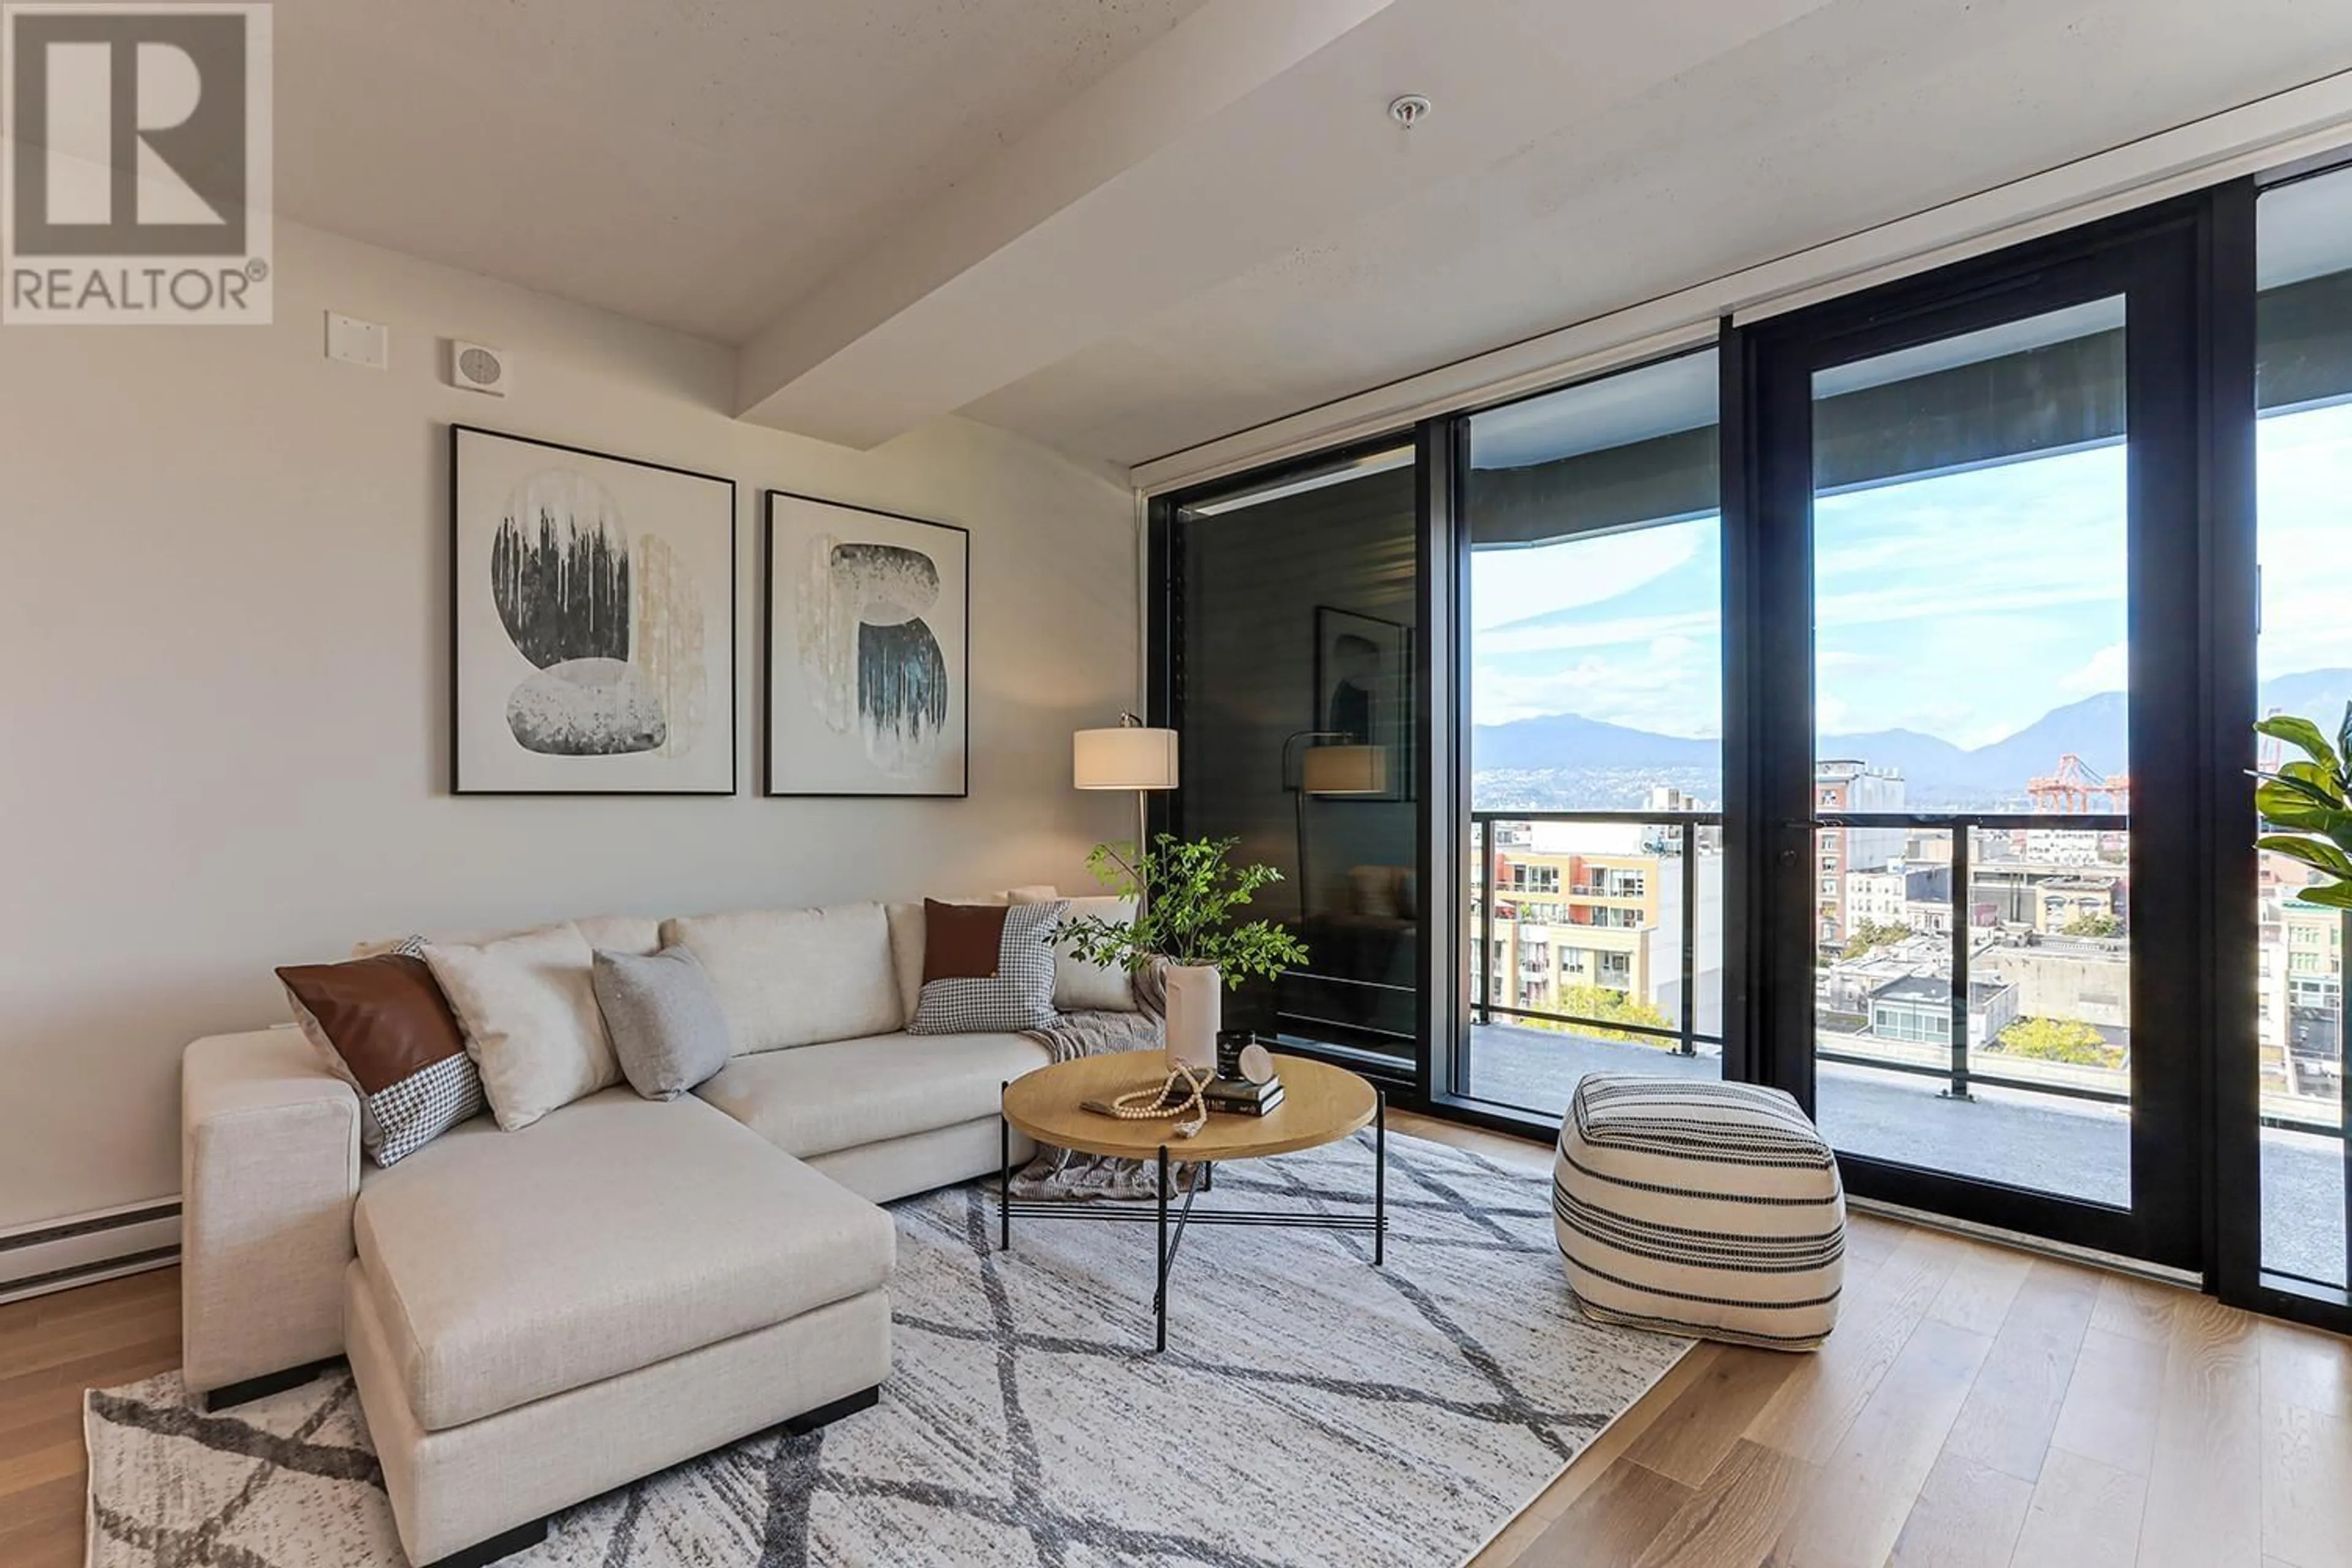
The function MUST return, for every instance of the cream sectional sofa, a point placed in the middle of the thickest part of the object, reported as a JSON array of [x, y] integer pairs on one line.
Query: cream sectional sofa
[[535, 1317]]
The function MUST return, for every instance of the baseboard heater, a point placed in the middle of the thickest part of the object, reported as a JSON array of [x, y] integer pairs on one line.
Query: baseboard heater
[[58, 1253]]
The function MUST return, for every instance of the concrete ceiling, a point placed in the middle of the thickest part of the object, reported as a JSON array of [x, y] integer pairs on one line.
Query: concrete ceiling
[[1125, 226]]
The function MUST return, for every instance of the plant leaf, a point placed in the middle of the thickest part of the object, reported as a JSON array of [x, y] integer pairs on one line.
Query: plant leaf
[[1190, 916], [2310, 851], [2302, 734], [2344, 735], [2337, 896], [2321, 783], [2285, 804], [2318, 794]]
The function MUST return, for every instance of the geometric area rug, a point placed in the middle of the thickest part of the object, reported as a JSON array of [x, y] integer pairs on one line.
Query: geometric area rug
[[1311, 1409]]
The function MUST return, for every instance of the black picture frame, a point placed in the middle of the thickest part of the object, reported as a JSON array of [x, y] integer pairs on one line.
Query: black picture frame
[[458, 651], [772, 786], [1391, 723]]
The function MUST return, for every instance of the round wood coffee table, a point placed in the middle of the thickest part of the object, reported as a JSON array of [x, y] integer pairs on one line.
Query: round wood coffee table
[[1321, 1104]]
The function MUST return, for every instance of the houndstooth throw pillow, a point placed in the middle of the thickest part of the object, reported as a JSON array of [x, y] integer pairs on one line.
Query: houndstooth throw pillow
[[382, 1025], [987, 967]]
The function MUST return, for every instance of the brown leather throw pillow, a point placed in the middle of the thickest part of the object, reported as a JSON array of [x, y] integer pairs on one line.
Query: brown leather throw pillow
[[384, 1027], [962, 942]]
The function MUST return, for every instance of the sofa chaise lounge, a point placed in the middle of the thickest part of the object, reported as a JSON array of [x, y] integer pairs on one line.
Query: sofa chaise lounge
[[534, 1317]]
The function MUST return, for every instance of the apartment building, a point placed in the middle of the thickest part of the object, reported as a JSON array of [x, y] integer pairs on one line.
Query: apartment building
[[1569, 918], [1842, 785]]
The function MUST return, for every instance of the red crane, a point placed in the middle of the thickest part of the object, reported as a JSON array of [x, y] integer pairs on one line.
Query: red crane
[[2078, 789]]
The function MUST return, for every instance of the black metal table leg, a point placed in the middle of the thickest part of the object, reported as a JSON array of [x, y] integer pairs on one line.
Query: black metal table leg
[[1170, 1218], [1160, 1297]]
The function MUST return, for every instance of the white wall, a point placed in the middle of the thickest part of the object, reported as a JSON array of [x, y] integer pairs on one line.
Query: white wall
[[223, 667]]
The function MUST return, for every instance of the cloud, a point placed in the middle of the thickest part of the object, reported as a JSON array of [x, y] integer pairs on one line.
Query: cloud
[[2107, 670], [1679, 695], [1917, 601], [1630, 629], [2305, 467], [1511, 586], [1964, 605]]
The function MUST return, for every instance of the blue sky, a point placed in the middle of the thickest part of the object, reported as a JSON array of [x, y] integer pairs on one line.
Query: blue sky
[[1965, 605]]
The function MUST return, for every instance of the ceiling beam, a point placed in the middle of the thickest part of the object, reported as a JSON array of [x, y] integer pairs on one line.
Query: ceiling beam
[[1246, 133]]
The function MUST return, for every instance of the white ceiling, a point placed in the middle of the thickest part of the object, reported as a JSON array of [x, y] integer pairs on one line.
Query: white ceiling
[[1125, 226], [1862, 111], [699, 164]]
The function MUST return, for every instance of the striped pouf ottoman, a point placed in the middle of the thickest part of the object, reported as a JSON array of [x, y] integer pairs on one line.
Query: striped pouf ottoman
[[1711, 1209]]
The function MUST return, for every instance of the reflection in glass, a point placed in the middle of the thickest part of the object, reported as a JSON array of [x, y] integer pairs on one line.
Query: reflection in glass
[[1297, 672]]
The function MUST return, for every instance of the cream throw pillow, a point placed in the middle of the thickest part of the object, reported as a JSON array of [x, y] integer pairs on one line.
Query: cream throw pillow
[[606, 933], [1372, 891], [796, 977], [1080, 987], [528, 1005]]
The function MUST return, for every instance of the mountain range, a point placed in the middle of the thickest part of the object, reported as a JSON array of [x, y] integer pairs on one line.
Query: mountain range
[[1935, 771]]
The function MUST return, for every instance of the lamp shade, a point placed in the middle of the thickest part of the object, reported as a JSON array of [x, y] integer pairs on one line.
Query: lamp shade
[[1128, 758], [1345, 770]]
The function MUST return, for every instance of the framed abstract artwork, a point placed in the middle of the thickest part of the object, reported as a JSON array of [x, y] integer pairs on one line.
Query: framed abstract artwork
[[869, 652], [1364, 690], [592, 621]]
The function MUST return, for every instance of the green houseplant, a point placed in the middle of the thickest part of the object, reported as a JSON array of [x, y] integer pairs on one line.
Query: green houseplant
[[2306, 807], [1187, 925]]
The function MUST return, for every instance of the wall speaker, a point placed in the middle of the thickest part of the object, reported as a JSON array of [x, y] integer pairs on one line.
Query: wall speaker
[[477, 367]]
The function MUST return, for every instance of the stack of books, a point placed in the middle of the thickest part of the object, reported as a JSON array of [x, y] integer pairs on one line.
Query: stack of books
[[1242, 1097]]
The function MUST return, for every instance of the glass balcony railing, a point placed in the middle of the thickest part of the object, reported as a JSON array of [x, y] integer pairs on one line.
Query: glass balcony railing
[[1972, 938]]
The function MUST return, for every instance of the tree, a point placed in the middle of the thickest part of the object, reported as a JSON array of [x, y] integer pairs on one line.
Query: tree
[[1868, 933], [2059, 1040], [1600, 1002], [2092, 925]]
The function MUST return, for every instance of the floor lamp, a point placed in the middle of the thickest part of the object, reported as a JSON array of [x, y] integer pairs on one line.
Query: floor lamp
[[1133, 756], [1350, 768]]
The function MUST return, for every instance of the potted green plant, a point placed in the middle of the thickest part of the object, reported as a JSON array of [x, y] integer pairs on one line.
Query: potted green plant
[[2306, 807], [1187, 927], [2306, 812]]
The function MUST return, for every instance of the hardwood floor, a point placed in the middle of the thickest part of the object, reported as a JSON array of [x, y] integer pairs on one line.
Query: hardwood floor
[[51, 1349], [1977, 1408]]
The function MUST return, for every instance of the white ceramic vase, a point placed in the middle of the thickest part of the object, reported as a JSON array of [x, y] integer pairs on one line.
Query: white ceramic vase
[[1195, 1012]]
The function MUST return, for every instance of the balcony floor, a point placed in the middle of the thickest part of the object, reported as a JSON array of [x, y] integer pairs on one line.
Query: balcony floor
[[2038, 1140]]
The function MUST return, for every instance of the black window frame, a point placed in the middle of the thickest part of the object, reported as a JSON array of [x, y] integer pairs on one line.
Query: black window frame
[[2216, 1098]]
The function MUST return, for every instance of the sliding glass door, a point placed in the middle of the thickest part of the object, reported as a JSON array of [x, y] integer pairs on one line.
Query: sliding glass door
[[1975, 547], [2304, 475], [1862, 706], [1594, 918]]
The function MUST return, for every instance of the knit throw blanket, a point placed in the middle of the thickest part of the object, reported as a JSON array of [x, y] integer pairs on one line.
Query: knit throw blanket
[[1066, 1172]]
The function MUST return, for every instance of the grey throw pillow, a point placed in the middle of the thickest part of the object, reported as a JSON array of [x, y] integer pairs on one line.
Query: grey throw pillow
[[664, 1018]]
